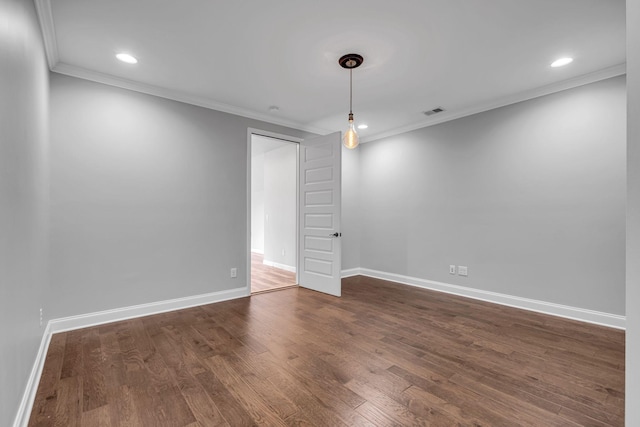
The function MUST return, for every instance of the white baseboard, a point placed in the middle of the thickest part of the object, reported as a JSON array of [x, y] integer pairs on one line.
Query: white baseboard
[[108, 316], [280, 266], [257, 251], [24, 410], [115, 315], [575, 313], [350, 272]]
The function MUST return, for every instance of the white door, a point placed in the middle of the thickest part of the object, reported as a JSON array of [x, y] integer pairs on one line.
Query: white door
[[319, 258]]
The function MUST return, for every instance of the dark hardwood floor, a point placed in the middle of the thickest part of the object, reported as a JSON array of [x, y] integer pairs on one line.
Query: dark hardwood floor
[[383, 354], [265, 278]]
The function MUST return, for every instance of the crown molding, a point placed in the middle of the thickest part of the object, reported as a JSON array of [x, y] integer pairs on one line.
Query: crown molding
[[95, 76], [603, 74], [103, 78], [45, 16]]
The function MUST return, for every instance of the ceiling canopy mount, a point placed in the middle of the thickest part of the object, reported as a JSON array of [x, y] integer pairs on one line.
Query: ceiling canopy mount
[[351, 61]]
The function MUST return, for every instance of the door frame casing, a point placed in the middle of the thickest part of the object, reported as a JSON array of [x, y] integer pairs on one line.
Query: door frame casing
[[285, 138]]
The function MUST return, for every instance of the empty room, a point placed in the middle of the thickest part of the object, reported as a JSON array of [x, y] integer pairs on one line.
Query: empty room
[[319, 213]]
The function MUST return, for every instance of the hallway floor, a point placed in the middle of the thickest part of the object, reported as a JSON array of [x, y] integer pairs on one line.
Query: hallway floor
[[265, 278]]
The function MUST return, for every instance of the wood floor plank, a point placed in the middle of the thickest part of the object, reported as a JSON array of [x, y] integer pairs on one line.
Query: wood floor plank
[[99, 417], [260, 412], [383, 354], [313, 401], [377, 416], [501, 401], [320, 406], [393, 409], [421, 400], [172, 404], [202, 407], [266, 279], [122, 407], [72, 363], [69, 403], [258, 380], [230, 408], [47, 395], [93, 387]]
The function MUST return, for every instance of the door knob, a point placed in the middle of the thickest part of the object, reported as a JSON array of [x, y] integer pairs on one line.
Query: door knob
[[336, 234]]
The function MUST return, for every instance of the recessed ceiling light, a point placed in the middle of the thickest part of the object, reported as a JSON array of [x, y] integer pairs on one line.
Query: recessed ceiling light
[[125, 57], [363, 126], [561, 62]]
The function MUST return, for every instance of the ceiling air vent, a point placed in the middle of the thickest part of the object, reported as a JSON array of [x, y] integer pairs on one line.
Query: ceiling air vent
[[434, 111]]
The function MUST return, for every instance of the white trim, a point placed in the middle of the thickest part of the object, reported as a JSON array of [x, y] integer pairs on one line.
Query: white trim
[[285, 138], [257, 251], [248, 213], [45, 16], [574, 313], [298, 255], [201, 101], [95, 76], [280, 266], [275, 135], [351, 272], [205, 102], [29, 395], [603, 74], [124, 313]]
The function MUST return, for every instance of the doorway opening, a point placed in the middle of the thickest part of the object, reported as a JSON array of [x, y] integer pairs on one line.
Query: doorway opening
[[273, 213]]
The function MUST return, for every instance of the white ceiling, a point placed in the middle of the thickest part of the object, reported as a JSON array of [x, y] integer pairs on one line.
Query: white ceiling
[[244, 56]]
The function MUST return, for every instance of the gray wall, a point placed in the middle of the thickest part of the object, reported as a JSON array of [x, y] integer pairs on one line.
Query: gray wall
[[280, 168], [148, 197], [531, 197], [633, 215], [24, 95]]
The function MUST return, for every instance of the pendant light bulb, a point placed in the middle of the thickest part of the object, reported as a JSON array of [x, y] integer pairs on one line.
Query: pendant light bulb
[[351, 61], [350, 139]]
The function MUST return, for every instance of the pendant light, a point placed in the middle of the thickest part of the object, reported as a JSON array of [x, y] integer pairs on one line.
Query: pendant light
[[351, 61]]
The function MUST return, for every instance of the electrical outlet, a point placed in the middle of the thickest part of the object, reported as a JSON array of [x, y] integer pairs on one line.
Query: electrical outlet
[[462, 270], [234, 272], [452, 269], [40, 316], [283, 252]]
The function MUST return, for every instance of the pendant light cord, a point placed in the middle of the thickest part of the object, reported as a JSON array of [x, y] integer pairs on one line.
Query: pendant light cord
[[350, 90]]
